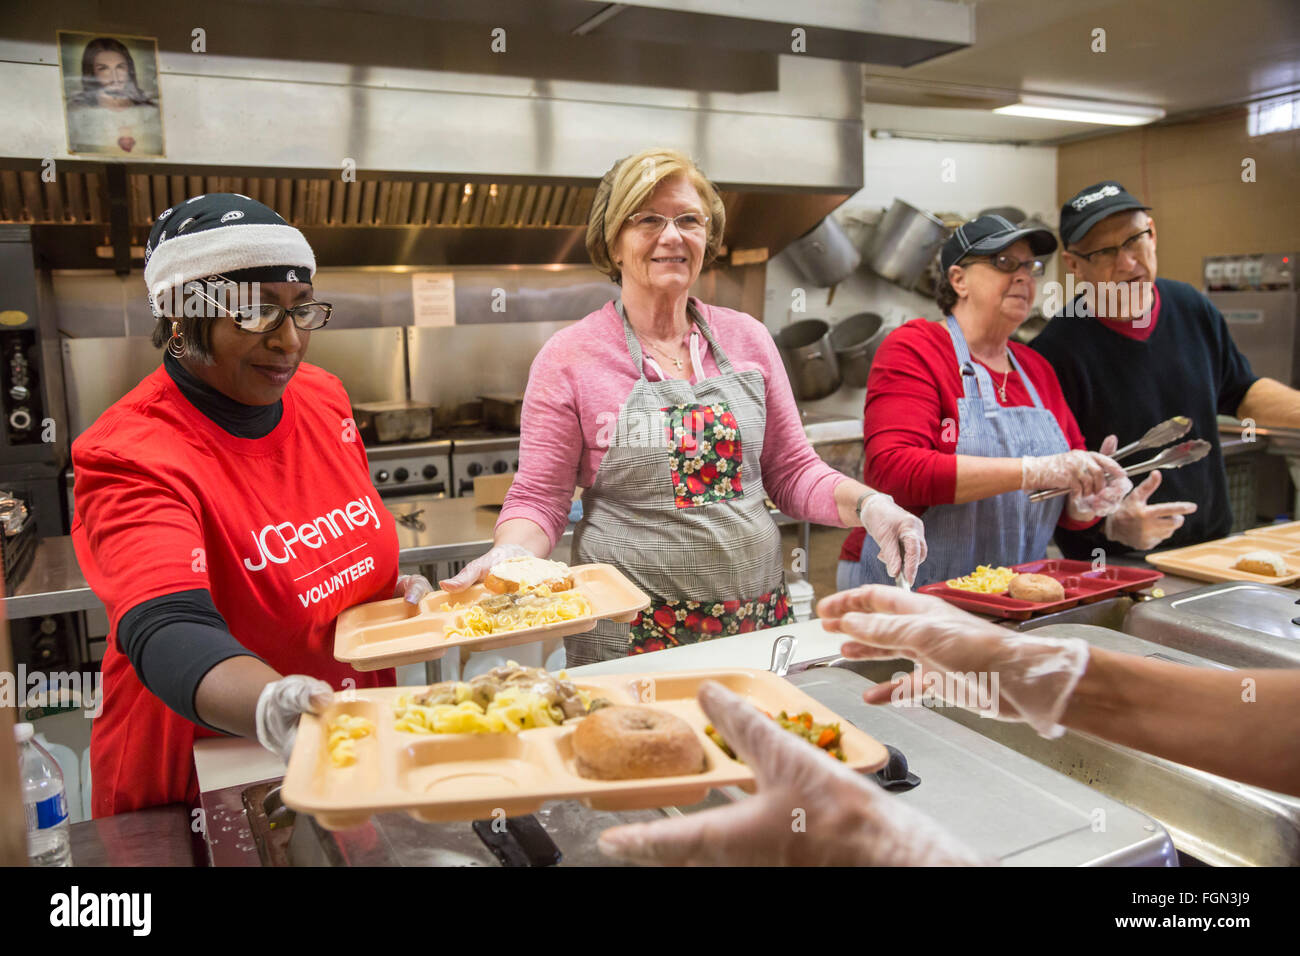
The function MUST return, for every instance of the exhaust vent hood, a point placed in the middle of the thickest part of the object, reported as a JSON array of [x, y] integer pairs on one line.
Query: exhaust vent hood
[[397, 221]]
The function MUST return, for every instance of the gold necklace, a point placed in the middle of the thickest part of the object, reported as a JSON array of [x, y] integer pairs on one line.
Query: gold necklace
[[1002, 389], [676, 361]]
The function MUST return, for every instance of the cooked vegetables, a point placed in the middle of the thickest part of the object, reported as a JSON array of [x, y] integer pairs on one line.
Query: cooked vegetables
[[824, 736]]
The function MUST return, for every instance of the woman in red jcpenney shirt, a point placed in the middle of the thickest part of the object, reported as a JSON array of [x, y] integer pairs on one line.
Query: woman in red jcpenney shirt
[[225, 513], [959, 422]]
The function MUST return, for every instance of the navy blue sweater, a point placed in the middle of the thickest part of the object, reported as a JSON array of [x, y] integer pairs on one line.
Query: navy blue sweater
[[1117, 385]]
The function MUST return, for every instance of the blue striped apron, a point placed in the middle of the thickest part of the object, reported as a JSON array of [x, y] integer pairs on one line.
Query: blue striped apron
[[1005, 529]]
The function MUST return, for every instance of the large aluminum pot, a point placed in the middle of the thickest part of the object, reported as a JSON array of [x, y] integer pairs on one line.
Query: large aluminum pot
[[824, 255], [904, 244], [809, 359], [854, 341]]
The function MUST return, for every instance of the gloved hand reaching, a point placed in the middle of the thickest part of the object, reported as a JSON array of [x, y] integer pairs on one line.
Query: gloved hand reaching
[[413, 587], [898, 533], [1032, 678], [1142, 526], [477, 569], [1106, 501], [847, 819], [280, 705]]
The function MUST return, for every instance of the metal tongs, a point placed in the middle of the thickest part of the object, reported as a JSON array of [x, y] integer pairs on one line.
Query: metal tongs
[[1175, 457], [1156, 437]]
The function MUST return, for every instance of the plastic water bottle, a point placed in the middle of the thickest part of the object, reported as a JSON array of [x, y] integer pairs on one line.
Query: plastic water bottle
[[44, 801]]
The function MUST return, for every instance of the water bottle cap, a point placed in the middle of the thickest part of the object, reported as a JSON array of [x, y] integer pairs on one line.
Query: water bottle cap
[[23, 732]]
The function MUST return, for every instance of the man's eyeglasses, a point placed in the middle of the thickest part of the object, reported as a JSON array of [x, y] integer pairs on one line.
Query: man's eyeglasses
[[1107, 256], [651, 223], [1010, 264]]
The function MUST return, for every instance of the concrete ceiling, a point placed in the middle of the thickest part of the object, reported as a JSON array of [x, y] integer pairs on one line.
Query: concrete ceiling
[[1184, 56]]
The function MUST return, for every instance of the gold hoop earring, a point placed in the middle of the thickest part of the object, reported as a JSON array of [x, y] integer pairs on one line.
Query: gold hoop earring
[[176, 344]]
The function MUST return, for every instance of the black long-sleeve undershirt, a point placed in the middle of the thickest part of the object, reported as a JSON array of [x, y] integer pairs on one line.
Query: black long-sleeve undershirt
[[172, 641]]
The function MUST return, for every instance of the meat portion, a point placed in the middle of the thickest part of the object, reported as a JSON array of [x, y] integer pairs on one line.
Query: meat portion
[[484, 687]]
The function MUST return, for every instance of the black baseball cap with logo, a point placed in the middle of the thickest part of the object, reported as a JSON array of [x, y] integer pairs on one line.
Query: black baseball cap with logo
[[1090, 206], [989, 235]]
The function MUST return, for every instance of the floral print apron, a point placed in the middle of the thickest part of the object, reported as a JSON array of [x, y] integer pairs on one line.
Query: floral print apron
[[678, 506]]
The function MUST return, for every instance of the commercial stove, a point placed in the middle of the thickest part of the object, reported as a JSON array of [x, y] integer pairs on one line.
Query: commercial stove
[[409, 468], [481, 453]]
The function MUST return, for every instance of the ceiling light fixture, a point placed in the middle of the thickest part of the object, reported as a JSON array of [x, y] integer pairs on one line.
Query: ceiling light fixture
[[1082, 111]]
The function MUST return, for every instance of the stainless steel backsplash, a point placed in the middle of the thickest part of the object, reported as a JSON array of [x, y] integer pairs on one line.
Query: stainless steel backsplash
[[370, 344]]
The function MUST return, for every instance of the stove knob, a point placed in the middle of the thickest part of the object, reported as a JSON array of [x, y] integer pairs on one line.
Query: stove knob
[[474, 469], [430, 471], [20, 420], [401, 474], [500, 467], [381, 475], [19, 393]]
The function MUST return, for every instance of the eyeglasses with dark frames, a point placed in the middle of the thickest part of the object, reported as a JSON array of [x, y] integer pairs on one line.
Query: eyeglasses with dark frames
[[267, 317], [1010, 264]]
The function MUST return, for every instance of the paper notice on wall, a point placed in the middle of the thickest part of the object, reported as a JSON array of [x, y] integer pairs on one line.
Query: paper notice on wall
[[433, 295]]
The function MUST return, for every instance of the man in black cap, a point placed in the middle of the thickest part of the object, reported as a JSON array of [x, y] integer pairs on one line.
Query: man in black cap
[[1132, 350]]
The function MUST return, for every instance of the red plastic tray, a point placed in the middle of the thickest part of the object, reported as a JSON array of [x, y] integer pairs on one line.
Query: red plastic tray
[[1083, 585]]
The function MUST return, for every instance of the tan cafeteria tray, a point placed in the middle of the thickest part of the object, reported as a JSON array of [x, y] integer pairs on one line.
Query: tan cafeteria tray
[[1214, 560], [392, 633], [1280, 535], [450, 777]]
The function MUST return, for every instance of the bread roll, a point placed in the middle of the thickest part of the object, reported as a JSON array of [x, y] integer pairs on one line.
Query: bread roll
[[627, 743], [1268, 563], [1036, 587], [526, 574]]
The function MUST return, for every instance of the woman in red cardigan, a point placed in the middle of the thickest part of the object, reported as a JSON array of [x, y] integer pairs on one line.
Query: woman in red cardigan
[[960, 422]]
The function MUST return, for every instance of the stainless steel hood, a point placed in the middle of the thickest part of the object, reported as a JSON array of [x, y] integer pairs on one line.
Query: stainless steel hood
[[397, 221], [394, 132]]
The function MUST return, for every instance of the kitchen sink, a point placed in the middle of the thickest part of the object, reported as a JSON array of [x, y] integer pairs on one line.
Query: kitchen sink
[[1211, 819]]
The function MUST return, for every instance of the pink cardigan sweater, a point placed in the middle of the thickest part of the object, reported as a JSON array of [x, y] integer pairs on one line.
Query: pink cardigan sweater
[[580, 379]]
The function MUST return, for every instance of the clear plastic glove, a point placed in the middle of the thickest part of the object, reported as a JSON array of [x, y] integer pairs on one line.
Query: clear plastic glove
[[810, 810], [280, 705], [1106, 501], [477, 569], [1084, 473], [413, 587], [1024, 678], [1142, 526], [898, 533]]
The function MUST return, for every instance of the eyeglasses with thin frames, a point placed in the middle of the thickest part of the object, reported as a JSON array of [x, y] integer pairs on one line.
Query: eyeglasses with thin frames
[[1108, 255], [652, 223]]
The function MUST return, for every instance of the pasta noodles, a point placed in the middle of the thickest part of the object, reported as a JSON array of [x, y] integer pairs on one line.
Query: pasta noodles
[[510, 711], [505, 700], [516, 612], [344, 730], [984, 580]]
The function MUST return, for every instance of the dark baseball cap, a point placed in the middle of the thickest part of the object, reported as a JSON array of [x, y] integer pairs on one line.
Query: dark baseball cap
[[1090, 206], [988, 235]]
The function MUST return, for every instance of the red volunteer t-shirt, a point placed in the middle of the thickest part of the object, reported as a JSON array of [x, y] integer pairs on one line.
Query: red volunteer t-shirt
[[285, 531], [912, 390]]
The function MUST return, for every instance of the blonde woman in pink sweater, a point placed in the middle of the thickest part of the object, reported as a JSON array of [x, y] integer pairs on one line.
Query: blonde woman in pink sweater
[[677, 420]]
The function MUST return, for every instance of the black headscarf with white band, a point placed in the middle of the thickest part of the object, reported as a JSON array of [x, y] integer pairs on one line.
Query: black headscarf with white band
[[222, 236]]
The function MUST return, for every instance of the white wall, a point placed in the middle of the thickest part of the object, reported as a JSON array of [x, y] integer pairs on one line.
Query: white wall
[[939, 177]]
